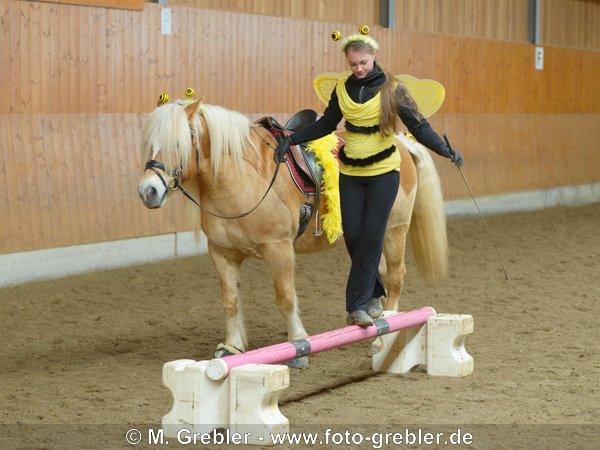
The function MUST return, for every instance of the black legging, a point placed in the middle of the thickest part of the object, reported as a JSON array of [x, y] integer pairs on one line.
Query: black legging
[[366, 203]]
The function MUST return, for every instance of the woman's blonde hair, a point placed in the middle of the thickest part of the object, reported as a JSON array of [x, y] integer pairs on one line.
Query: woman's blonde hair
[[394, 94]]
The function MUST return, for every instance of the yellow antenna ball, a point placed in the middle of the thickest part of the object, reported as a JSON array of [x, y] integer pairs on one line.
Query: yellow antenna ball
[[336, 35], [364, 29], [190, 92], [163, 98]]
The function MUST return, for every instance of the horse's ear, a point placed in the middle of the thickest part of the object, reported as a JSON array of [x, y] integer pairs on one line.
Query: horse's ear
[[192, 108]]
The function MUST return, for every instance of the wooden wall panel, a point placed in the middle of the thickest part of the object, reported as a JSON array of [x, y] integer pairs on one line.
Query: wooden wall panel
[[78, 81], [64, 58], [493, 19], [490, 19], [123, 4], [519, 152], [571, 23], [72, 179], [337, 11]]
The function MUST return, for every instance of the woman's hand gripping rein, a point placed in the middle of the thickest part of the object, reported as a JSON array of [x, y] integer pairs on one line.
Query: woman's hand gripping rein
[[282, 148]]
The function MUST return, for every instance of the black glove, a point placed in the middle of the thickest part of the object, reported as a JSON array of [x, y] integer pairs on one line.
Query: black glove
[[282, 148], [456, 157]]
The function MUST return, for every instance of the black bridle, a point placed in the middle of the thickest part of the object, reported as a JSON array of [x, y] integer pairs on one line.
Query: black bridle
[[156, 167]]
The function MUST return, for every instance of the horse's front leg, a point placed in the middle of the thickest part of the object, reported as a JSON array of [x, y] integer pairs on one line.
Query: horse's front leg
[[281, 259], [227, 263]]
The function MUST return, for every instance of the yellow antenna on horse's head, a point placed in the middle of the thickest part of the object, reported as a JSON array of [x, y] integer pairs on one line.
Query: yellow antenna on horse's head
[[163, 98], [190, 92]]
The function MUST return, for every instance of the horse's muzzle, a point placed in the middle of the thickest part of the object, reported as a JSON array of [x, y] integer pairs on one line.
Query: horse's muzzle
[[151, 197]]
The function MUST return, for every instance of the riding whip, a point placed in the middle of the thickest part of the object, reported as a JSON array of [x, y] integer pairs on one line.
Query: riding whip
[[479, 211]]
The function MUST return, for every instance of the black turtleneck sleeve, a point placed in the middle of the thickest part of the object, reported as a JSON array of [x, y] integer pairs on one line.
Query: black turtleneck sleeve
[[422, 131], [326, 124]]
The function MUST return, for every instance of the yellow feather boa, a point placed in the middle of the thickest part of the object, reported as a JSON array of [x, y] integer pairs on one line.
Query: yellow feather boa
[[332, 219]]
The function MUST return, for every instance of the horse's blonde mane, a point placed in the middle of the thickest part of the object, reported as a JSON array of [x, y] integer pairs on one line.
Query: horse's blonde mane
[[228, 131], [168, 131]]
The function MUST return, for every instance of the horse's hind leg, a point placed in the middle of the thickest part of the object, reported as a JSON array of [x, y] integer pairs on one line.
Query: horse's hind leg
[[393, 269], [280, 257], [394, 250], [227, 263]]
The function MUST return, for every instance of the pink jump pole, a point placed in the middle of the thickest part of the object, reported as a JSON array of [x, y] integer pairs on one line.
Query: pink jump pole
[[219, 368]]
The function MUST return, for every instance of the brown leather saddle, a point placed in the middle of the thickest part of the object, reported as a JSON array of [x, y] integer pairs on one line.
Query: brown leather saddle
[[302, 164], [305, 171]]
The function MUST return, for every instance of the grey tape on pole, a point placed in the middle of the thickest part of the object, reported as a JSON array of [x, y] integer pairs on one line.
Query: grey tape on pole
[[302, 347], [382, 326]]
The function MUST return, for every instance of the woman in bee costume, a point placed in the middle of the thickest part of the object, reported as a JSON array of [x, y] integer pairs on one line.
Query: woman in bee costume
[[369, 99]]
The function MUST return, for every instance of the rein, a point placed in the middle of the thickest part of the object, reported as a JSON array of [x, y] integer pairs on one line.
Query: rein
[[155, 166]]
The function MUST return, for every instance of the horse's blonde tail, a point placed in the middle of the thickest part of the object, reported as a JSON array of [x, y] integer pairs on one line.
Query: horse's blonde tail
[[428, 224]]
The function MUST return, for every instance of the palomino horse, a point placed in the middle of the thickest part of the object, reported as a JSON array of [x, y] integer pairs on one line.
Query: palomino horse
[[226, 163]]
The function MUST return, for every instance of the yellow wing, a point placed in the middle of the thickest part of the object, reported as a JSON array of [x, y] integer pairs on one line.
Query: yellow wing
[[428, 94], [325, 82]]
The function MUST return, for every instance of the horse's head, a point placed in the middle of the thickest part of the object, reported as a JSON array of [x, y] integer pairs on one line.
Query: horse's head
[[171, 148]]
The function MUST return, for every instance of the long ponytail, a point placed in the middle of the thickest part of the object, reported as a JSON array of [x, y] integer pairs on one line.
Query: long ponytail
[[394, 96]]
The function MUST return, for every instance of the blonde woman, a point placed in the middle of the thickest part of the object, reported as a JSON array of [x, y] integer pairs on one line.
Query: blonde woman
[[370, 100]]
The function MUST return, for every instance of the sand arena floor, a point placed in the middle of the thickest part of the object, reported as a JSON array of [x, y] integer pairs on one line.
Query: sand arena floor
[[82, 357]]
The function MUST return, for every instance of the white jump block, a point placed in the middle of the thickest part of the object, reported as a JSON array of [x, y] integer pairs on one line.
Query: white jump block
[[254, 391], [438, 345], [245, 403], [446, 354]]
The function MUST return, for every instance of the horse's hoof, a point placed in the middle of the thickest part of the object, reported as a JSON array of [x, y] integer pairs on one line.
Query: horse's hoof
[[376, 346], [298, 363], [226, 350]]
